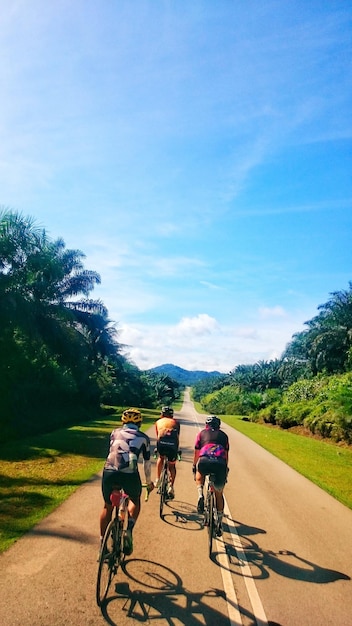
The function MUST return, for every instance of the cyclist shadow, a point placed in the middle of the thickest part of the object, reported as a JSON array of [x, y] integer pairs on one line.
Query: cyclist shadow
[[284, 562], [182, 515], [161, 595]]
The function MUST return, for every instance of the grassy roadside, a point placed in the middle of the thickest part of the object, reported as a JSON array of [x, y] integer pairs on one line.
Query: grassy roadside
[[37, 474], [326, 464]]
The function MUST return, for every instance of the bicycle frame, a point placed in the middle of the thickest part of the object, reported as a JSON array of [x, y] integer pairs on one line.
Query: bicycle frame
[[165, 482], [112, 554]]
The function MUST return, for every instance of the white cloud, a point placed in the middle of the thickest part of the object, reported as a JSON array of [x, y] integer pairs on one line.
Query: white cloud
[[201, 324], [201, 343]]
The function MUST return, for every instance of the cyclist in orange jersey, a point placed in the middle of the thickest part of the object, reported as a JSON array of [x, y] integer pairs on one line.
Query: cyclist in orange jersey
[[167, 430]]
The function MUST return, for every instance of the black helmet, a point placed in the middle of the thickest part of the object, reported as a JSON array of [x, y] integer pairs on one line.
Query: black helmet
[[167, 411], [213, 422]]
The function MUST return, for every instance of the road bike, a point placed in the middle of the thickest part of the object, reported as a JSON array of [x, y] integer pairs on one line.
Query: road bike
[[112, 549], [164, 484], [210, 520]]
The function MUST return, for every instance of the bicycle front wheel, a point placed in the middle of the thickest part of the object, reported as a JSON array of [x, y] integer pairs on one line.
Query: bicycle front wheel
[[107, 562]]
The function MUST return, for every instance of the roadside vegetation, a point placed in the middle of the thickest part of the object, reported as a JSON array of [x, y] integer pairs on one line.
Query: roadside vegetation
[[60, 358], [310, 386], [325, 463], [38, 473], [63, 372]]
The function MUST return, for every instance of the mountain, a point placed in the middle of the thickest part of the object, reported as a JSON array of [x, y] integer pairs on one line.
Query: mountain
[[183, 377]]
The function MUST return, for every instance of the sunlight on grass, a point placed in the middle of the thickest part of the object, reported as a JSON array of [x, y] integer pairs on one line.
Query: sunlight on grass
[[37, 474], [326, 464]]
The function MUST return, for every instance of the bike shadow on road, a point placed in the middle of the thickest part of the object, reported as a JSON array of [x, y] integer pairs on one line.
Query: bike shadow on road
[[284, 562], [182, 515], [239, 546], [160, 595]]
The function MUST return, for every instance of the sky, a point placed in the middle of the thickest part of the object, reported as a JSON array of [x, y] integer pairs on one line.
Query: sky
[[199, 155]]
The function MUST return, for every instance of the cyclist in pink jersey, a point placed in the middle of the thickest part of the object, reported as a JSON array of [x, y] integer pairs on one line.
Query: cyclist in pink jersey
[[211, 450]]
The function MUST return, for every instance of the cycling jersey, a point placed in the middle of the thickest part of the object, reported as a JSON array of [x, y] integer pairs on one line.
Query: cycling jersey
[[126, 445], [213, 444], [167, 432], [167, 426]]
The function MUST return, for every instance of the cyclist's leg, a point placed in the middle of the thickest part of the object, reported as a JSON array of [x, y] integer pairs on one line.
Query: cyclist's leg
[[219, 471], [172, 468], [172, 456], [159, 467], [172, 475], [172, 461], [133, 486], [160, 461], [220, 479], [108, 481], [201, 472]]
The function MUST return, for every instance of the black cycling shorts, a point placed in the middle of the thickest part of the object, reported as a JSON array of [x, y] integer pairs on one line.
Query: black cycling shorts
[[166, 446], [217, 467], [131, 483]]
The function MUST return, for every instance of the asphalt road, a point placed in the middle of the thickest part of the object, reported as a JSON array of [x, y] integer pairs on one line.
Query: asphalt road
[[284, 559]]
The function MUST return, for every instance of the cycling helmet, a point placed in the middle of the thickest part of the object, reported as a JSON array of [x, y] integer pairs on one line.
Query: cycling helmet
[[213, 422], [131, 416], [167, 411]]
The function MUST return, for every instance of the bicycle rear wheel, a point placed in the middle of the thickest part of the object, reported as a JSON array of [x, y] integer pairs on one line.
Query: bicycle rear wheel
[[211, 525], [163, 489], [108, 561]]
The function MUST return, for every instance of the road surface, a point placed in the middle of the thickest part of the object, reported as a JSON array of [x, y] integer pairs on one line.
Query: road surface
[[284, 558]]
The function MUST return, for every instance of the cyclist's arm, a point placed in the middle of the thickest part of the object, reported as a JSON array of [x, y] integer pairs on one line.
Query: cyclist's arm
[[148, 471]]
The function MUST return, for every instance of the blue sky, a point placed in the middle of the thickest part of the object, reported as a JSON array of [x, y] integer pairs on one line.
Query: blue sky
[[198, 153]]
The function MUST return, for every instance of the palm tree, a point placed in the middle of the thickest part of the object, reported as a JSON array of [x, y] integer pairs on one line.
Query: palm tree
[[46, 317]]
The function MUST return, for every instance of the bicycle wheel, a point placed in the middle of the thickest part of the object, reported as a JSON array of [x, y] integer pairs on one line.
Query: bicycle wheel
[[109, 560], [163, 489], [211, 526]]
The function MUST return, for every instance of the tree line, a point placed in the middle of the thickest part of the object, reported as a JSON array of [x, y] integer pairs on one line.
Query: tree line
[[309, 386], [60, 358]]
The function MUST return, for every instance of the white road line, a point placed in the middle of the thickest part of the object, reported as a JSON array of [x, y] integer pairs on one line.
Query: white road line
[[257, 607], [232, 602], [231, 598]]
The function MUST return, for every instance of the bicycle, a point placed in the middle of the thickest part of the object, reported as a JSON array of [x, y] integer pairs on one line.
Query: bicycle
[[211, 519], [112, 548], [165, 484]]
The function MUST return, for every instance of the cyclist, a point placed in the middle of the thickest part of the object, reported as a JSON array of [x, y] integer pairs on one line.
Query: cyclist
[[211, 450], [121, 469], [167, 430]]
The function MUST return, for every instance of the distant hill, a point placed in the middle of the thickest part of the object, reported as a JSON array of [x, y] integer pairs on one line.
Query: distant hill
[[184, 377]]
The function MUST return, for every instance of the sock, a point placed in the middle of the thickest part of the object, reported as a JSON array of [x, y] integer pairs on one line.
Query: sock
[[200, 492], [220, 515], [131, 523]]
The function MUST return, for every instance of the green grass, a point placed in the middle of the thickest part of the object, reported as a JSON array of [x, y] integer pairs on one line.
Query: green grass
[[37, 474], [325, 463]]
